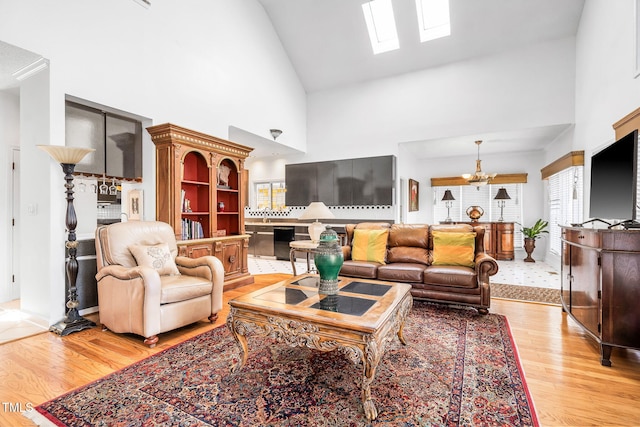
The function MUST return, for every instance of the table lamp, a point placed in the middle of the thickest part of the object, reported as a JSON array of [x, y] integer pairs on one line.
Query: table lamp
[[448, 201], [316, 210], [501, 197]]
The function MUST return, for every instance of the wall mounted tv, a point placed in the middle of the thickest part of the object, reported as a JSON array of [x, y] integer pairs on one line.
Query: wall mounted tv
[[614, 180]]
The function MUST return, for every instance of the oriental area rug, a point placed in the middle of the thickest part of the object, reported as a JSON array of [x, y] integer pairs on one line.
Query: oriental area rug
[[459, 368]]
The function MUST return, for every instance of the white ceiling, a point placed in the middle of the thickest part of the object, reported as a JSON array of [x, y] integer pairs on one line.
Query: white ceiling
[[13, 59], [328, 45]]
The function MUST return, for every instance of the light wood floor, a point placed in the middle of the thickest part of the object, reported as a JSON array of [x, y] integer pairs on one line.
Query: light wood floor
[[561, 365]]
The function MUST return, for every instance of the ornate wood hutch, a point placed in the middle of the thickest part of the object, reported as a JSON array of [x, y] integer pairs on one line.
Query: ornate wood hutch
[[201, 186]]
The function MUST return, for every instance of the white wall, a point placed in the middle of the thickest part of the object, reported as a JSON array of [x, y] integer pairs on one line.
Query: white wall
[[525, 88], [199, 64], [606, 86]]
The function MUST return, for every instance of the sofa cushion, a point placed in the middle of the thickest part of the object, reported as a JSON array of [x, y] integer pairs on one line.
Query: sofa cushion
[[450, 275], [369, 245], [453, 248], [157, 257], [412, 235], [363, 269], [401, 272], [408, 254], [183, 288]]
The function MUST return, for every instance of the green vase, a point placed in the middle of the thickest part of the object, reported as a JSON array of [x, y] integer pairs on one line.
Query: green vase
[[328, 259]]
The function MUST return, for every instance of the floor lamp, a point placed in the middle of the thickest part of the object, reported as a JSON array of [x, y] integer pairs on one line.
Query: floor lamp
[[68, 157]]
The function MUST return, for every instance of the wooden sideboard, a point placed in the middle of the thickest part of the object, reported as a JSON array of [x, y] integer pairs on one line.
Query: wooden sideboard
[[498, 238], [601, 285]]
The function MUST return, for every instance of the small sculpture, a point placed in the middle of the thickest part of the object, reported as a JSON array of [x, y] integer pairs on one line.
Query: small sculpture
[[223, 175], [475, 212]]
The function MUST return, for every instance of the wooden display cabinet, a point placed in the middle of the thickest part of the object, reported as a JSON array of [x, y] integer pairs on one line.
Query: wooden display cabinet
[[200, 188]]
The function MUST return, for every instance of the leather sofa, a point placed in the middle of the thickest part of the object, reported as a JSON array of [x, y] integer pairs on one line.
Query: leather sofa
[[145, 288], [409, 259]]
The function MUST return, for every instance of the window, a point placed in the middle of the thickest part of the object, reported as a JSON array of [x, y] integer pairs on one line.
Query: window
[[433, 19], [270, 195], [466, 196], [565, 203], [381, 23]]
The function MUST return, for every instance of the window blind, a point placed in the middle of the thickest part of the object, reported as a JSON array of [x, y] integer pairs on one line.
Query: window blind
[[566, 189]]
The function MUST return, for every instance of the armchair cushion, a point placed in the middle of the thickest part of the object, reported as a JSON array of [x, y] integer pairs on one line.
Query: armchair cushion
[[157, 257], [453, 248], [181, 288]]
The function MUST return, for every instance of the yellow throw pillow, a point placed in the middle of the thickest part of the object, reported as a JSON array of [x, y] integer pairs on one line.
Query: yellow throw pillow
[[369, 245], [157, 257], [454, 248]]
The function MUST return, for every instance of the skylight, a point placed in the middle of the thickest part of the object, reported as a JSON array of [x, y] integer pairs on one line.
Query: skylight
[[381, 24], [433, 19]]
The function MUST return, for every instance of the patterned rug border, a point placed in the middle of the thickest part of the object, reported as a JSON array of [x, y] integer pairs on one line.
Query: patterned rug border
[[522, 293], [42, 417]]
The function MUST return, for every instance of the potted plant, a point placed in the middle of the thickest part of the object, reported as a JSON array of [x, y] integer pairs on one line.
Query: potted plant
[[530, 236]]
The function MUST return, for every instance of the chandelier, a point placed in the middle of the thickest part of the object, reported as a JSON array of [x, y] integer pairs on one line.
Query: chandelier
[[479, 178]]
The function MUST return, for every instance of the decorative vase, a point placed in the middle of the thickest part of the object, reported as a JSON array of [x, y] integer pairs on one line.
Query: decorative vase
[[220, 206], [529, 246], [328, 259], [475, 212]]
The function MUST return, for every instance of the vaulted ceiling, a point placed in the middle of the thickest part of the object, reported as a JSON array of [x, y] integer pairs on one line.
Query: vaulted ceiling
[[328, 44]]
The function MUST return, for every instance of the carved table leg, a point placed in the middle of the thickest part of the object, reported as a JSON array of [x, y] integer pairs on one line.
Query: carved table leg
[[400, 333], [370, 363], [241, 340]]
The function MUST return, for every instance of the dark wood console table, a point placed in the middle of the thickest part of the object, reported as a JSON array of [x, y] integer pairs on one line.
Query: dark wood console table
[[601, 285], [498, 238]]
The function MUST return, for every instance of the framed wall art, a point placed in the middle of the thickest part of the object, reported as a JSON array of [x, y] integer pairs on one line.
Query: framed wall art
[[135, 205], [414, 192]]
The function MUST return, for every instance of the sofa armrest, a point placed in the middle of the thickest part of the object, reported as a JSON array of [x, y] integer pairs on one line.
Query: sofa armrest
[[119, 272], [210, 268], [346, 253], [485, 266], [129, 299], [190, 266]]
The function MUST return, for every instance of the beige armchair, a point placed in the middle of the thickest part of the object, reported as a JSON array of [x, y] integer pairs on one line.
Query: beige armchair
[[145, 288]]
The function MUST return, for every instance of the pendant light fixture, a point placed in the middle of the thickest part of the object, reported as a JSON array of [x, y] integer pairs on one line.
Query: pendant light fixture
[[479, 178]]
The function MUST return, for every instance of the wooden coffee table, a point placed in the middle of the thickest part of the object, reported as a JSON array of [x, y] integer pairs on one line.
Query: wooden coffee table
[[359, 321]]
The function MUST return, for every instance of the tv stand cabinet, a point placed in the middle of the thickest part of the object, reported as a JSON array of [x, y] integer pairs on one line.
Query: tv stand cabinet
[[600, 285]]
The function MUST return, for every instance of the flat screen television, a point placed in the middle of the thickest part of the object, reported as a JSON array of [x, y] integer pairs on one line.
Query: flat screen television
[[614, 180]]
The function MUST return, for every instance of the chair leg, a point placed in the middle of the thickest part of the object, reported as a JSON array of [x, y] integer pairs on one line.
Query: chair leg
[[151, 341], [213, 317]]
